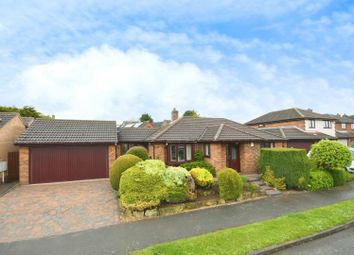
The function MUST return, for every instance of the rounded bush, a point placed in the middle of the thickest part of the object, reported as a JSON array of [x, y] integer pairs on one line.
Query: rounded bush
[[330, 154], [119, 166], [339, 176], [230, 184], [202, 177], [139, 190], [179, 184], [153, 166], [139, 151], [199, 164], [320, 180]]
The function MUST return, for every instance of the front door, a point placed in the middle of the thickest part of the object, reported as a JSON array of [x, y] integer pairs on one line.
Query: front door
[[233, 156]]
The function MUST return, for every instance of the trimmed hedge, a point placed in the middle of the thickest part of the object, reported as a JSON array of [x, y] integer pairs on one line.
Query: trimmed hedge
[[139, 190], [153, 166], [330, 155], [202, 177], [139, 151], [199, 164], [230, 184], [119, 166], [320, 180], [177, 181], [292, 164], [339, 176]]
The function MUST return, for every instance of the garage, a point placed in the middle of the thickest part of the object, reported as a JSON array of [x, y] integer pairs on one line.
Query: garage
[[55, 150], [68, 163]]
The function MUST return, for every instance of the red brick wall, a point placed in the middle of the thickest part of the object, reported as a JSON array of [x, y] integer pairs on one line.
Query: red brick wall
[[157, 151], [217, 155], [249, 156], [111, 155], [348, 127], [280, 144], [24, 165], [297, 123]]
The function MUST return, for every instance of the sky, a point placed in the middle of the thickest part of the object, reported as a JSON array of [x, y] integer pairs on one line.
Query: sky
[[117, 59]]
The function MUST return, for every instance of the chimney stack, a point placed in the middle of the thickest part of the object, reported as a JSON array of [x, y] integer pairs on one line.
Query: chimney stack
[[174, 114]]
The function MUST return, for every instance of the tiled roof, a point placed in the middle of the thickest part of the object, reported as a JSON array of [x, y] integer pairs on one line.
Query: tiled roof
[[295, 133], [139, 134], [6, 117], [344, 134], [27, 121], [344, 119], [57, 131], [190, 129], [289, 114]]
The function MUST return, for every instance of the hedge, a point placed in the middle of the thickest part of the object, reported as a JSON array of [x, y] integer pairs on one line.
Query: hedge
[[119, 166], [199, 164], [230, 184], [292, 164], [320, 180], [139, 151], [339, 176]]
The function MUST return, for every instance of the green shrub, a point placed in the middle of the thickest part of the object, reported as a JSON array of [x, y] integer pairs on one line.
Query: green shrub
[[198, 155], [288, 163], [140, 190], [199, 164], [119, 166], [244, 178], [230, 184], [330, 154], [202, 177], [177, 181], [339, 176], [350, 177], [278, 183], [139, 151], [152, 166], [320, 180]]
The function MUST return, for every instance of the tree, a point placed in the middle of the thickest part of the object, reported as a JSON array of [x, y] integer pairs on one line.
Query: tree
[[190, 113], [26, 111], [146, 117]]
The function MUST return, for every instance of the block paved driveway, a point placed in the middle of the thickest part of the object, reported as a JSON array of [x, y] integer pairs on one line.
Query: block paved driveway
[[35, 211]]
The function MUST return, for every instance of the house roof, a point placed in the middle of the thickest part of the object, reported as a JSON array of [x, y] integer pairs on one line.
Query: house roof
[[295, 133], [6, 117], [27, 121], [58, 131], [190, 129], [344, 119], [289, 114], [139, 134], [344, 134]]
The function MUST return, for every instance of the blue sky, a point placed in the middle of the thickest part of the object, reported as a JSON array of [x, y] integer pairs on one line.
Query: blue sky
[[118, 59]]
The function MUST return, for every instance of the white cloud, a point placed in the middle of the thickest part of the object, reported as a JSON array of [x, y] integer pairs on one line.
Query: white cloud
[[107, 83]]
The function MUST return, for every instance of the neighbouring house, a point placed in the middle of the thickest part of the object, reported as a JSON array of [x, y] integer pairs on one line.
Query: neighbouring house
[[11, 126], [27, 121], [315, 124], [296, 137], [345, 129], [56, 150], [225, 143]]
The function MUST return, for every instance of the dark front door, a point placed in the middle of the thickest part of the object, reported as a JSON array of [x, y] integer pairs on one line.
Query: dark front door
[[68, 163], [233, 156]]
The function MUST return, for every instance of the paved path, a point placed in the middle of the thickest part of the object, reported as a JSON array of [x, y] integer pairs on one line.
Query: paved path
[[6, 187], [34, 211], [340, 243], [119, 239]]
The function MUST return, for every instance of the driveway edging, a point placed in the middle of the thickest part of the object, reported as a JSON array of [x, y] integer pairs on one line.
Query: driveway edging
[[279, 247]]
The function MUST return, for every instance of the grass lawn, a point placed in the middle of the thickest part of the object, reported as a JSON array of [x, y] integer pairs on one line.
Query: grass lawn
[[252, 237]]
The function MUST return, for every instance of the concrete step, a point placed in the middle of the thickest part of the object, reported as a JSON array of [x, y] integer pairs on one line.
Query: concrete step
[[253, 177], [272, 192]]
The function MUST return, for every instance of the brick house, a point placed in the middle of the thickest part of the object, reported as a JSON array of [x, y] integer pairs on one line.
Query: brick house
[[301, 128], [345, 129], [56, 150], [225, 143]]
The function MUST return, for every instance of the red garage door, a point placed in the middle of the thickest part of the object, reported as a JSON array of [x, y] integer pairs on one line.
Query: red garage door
[[300, 144], [68, 163]]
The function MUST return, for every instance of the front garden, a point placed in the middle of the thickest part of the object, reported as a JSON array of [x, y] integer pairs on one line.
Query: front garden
[[149, 188]]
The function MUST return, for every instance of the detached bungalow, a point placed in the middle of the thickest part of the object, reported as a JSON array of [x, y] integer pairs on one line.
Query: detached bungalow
[[225, 143], [54, 150]]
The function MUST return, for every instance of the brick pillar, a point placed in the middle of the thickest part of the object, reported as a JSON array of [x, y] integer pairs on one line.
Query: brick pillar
[[24, 165], [111, 155], [119, 150], [160, 152], [217, 155], [249, 156]]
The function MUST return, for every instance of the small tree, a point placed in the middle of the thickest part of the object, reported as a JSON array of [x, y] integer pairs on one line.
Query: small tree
[[191, 113], [146, 117], [330, 155]]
